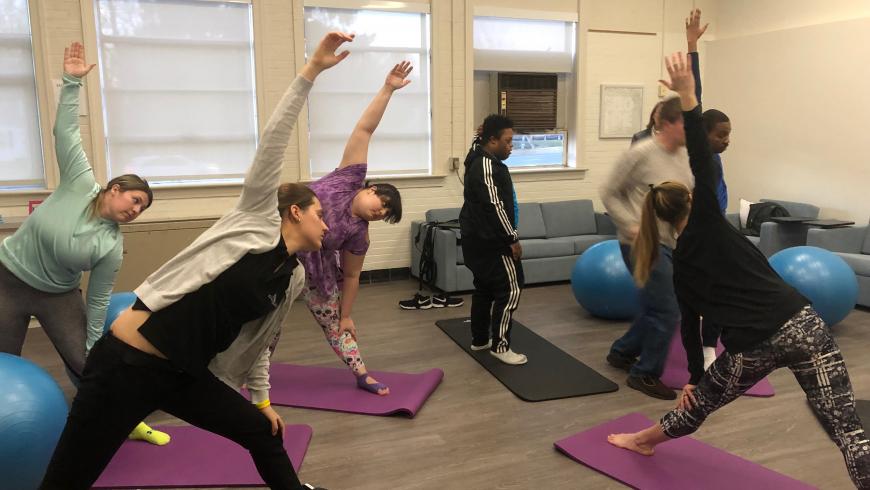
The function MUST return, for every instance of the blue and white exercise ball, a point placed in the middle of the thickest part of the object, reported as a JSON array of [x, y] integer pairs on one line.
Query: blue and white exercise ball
[[825, 279], [117, 304], [33, 412], [602, 283]]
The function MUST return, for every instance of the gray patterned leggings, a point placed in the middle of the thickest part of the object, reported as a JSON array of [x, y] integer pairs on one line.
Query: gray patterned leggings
[[805, 346]]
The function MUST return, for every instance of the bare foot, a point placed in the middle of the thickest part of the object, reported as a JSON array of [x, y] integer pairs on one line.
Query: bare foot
[[371, 381], [629, 441]]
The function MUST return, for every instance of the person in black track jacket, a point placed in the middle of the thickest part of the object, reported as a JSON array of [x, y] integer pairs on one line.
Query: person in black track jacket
[[490, 243]]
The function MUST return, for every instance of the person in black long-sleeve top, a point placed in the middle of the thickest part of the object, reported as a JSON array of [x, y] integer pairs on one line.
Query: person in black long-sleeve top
[[490, 243], [766, 324]]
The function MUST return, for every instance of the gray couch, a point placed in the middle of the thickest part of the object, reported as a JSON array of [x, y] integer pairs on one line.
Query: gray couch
[[853, 246], [552, 234], [775, 236]]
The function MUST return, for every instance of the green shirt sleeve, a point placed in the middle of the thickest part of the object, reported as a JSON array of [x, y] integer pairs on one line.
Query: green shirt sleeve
[[100, 290], [75, 170]]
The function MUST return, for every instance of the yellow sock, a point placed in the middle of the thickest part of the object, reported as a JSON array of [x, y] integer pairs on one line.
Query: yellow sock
[[144, 433]]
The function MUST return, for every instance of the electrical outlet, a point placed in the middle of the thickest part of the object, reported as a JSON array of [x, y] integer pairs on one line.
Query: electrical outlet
[[454, 164], [663, 91]]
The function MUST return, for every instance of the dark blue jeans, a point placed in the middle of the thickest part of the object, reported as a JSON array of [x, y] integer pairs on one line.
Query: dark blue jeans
[[650, 334]]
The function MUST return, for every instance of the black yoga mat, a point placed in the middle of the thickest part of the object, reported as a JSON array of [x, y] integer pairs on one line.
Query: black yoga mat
[[550, 374]]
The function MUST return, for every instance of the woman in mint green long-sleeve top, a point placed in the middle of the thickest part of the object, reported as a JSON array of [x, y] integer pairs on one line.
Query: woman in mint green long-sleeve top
[[76, 229]]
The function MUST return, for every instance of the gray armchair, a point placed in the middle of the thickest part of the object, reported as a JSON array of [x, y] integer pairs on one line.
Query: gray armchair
[[776, 236], [853, 246]]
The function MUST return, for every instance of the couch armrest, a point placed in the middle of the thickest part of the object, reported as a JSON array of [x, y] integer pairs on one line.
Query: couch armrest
[[604, 225], [843, 240], [734, 219], [778, 236], [445, 260]]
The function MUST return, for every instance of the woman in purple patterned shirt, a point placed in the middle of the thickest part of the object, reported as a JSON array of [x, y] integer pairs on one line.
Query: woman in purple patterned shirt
[[349, 204]]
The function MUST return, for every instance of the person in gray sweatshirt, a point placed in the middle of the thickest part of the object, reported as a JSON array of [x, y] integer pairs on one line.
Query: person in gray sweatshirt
[[228, 291], [644, 347]]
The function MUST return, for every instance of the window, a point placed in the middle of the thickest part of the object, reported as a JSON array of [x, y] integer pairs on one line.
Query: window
[[524, 69], [20, 138], [178, 88], [402, 143]]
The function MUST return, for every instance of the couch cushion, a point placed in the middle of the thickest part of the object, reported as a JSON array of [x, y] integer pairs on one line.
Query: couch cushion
[[866, 248], [582, 242], [536, 248], [569, 218], [443, 214], [858, 262], [531, 221]]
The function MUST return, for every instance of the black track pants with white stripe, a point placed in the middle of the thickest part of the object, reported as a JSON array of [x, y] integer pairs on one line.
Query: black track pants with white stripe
[[498, 283]]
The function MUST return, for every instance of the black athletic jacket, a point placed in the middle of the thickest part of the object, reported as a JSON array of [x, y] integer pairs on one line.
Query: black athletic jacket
[[487, 216]]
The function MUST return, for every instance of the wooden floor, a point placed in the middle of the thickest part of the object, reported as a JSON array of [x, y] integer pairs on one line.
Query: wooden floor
[[475, 434]]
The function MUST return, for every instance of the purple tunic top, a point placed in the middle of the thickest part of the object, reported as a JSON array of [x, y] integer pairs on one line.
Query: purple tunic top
[[336, 191]]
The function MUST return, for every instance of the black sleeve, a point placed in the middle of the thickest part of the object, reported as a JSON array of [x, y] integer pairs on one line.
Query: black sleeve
[[696, 73], [690, 332], [705, 202], [483, 180]]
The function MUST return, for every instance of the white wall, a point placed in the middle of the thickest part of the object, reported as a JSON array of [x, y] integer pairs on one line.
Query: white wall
[[792, 76], [638, 33]]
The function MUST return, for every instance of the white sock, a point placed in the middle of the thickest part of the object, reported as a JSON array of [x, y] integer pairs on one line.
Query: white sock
[[709, 356]]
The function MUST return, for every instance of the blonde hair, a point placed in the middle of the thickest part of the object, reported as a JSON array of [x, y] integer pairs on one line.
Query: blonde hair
[[669, 202]]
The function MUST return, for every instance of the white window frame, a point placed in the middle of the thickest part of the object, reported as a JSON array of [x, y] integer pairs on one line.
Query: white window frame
[[379, 5], [18, 196], [575, 103]]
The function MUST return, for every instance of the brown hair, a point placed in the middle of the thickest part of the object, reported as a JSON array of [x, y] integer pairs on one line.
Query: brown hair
[[126, 182], [669, 202], [671, 111], [294, 194]]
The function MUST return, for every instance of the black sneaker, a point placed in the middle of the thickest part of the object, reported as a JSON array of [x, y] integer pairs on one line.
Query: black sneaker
[[651, 387], [442, 300], [619, 361], [419, 302]]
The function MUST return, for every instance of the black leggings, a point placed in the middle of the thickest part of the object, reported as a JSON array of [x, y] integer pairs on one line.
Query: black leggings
[[121, 385], [806, 347]]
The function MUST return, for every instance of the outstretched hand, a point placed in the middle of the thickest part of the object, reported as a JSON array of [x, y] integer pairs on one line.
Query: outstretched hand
[[325, 57], [694, 31], [398, 76], [680, 72], [74, 61]]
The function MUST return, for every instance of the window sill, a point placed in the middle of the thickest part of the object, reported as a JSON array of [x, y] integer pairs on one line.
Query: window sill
[[544, 174]]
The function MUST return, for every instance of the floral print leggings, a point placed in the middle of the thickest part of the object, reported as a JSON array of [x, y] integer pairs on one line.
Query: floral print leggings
[[326, 311]]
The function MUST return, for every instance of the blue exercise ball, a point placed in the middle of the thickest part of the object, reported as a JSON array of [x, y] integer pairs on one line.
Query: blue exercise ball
[[118, 303], [33, 412], [602, 284], [825, 279]]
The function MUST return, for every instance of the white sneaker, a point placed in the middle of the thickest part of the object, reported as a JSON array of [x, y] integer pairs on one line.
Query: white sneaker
[[510, 357], [487, 345], [709, 357]]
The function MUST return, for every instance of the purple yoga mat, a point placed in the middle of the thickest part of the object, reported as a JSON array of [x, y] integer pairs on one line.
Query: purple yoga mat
[[676, 373], [335, 389], [677, 464], [193, 458]]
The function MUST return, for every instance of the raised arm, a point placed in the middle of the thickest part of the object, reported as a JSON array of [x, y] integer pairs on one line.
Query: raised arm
[[71, 159], [682, 82], [357, 148], [261, 183], [694, 31]]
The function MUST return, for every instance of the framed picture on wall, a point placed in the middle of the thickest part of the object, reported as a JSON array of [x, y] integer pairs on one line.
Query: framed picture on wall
[[621, 111]]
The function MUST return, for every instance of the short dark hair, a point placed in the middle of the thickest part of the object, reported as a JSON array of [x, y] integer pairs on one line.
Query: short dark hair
[[493, 126], [712, 117], [671, 110], [392, 200]]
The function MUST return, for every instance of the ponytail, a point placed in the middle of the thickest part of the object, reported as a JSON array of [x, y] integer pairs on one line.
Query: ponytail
[[669, 202], [646, 244]]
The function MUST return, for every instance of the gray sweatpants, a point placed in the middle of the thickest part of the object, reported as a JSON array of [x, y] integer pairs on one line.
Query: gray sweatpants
[[62, 316]]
